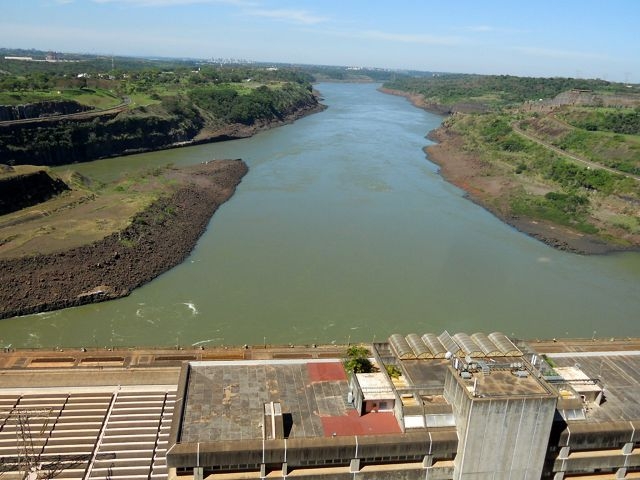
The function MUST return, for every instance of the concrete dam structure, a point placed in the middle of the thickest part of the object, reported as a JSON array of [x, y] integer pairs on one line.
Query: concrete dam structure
[[435, 406], [463, 407]]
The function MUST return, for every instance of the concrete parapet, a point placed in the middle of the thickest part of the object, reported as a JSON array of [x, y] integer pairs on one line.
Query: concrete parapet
[[315, 451], [598, 435]]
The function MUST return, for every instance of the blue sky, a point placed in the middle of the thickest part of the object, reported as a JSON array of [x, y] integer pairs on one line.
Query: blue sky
[[586, 38]]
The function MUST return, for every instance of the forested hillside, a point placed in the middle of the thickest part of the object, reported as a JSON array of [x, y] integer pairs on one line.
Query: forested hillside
[[495, 90], [81, 109], [542, 153]]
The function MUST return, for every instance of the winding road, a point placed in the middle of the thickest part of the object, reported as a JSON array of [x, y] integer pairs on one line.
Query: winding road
[[572, 156], [126, 101]]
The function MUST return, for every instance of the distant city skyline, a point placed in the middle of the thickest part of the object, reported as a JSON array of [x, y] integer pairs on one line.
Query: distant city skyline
[[570, 38]]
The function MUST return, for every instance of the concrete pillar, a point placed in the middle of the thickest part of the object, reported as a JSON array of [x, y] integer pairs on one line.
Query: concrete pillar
[[285, 469], [564, 452], [427, 461], [198, 473], [263, 470], [508, 429], [622, 472], [354, 466], [627, 449], [559, 476]]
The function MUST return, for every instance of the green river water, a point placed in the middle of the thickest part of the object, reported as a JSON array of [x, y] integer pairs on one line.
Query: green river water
[[343, 231]]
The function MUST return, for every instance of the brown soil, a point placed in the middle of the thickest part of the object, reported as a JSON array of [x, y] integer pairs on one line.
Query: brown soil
[[492, 191], [75, 269], [157, 239], [418, 100], [238, 130], [467, 172]]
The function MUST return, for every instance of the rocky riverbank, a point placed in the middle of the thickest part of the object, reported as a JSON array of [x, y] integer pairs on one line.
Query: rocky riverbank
[[418, 101], [236, 131], [83, 138], [467, 171], [157, 239]]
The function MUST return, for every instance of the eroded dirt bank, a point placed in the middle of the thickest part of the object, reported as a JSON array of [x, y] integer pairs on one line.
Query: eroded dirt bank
[[158, 238], [418, 101], [236, 130], [468, 172], [85, 137]]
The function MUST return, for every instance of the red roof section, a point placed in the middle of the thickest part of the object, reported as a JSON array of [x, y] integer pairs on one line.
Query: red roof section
[[350, 423], [353, 424], [326, 371]]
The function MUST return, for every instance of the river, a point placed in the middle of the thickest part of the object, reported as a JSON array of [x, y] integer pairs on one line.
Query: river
[[344, 231]]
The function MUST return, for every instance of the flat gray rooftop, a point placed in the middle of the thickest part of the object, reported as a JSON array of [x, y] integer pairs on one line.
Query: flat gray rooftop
[[429, 374], [619, 373], [426, 374], [225, 400], [504, 384]]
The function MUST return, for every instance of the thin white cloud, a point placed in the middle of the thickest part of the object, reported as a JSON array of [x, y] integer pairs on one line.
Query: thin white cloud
[[94, 40], [248, 7], [494, 29], [378, 35], [419, 38], [480, 28], [560, 54], [174, 3], [294, 16]]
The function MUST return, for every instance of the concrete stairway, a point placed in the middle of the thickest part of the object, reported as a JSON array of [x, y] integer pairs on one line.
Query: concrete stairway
[[82, 435], [134, 443]]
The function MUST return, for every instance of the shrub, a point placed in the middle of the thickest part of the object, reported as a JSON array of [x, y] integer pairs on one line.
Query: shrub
[[358, 360], [393, 371]]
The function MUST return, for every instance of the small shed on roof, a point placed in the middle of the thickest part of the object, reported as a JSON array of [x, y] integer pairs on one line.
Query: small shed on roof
[[588, 388], [377, 392]]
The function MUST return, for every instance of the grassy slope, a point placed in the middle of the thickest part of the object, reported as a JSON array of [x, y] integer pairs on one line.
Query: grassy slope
[[163, 110], [495, 90], [536, 181], [549, 186], [97, 98], [86, 213], [564, 129]]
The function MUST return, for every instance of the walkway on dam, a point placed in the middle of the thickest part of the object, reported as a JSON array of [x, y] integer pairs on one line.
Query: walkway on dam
[[106, 413], [101, 413]]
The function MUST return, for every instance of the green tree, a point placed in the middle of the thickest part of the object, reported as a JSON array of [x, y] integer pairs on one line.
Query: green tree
[[358, 360]]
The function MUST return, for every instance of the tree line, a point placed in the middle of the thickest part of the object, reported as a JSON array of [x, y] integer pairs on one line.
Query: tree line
[[625, 121], [448, 89]]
